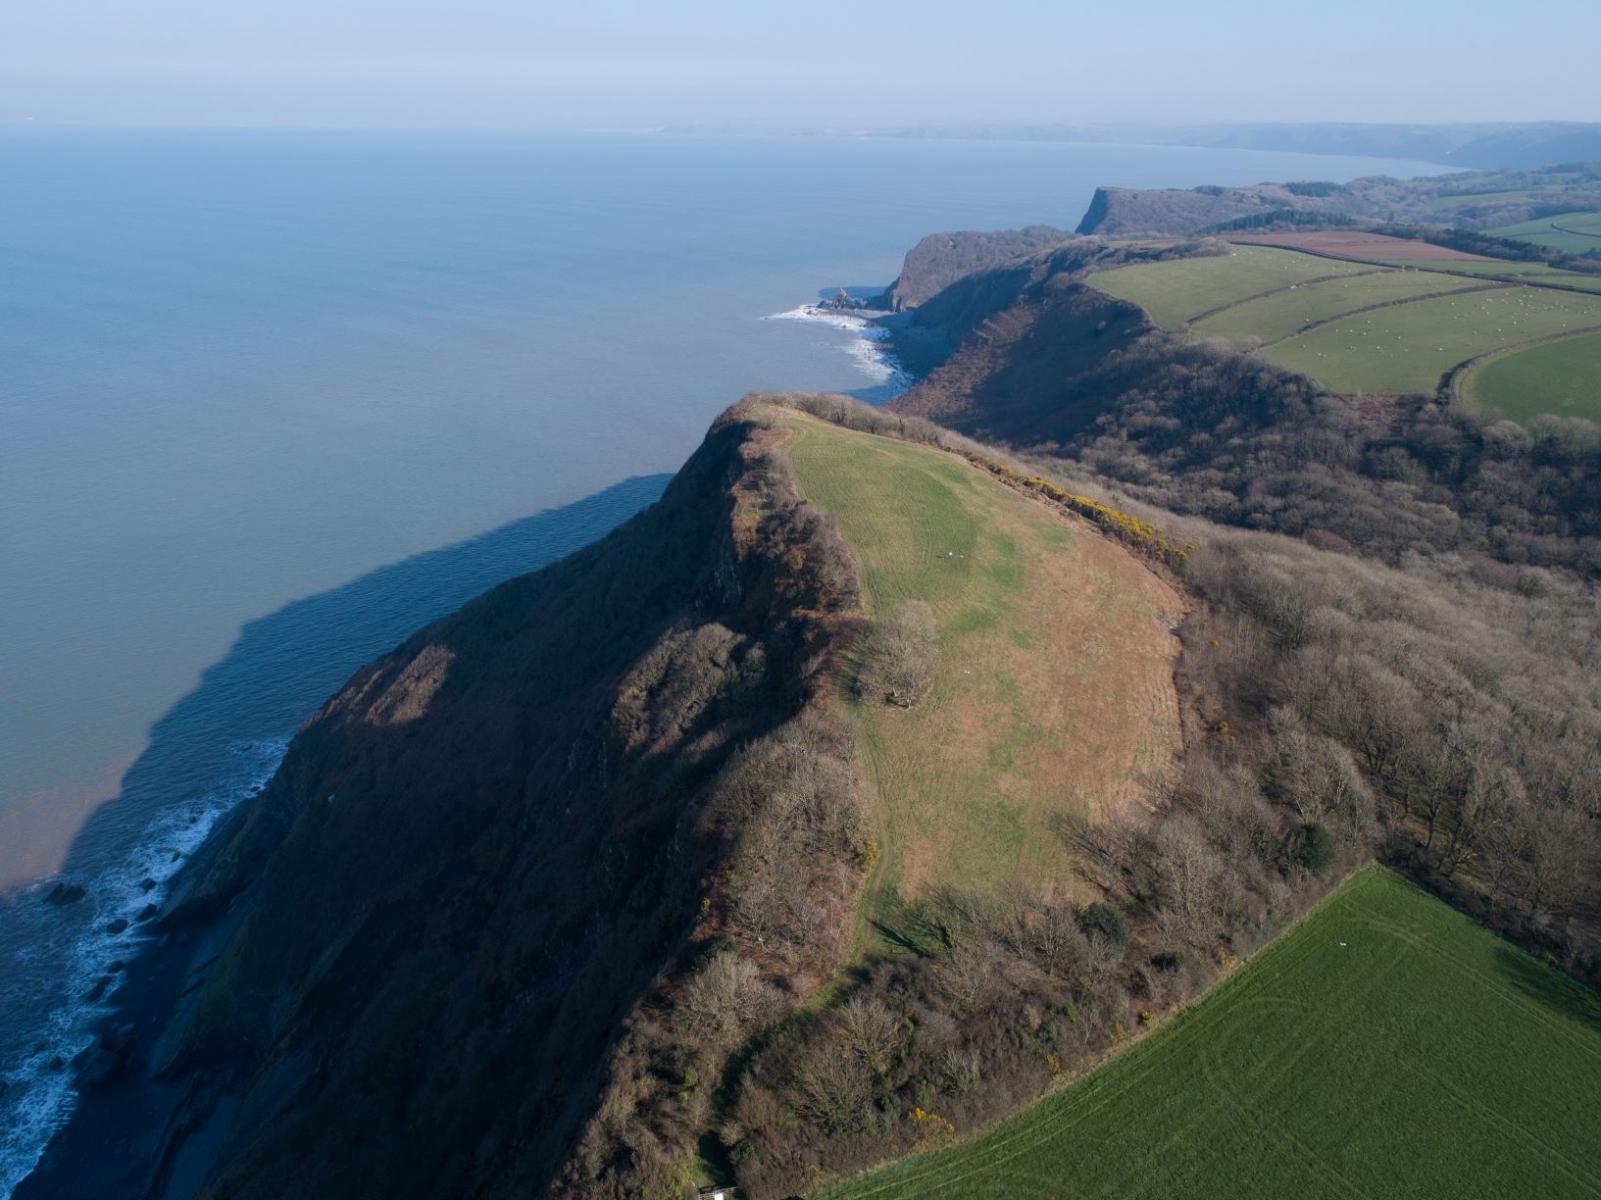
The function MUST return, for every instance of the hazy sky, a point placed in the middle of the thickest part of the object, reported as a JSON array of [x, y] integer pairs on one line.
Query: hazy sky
[[611, 63]]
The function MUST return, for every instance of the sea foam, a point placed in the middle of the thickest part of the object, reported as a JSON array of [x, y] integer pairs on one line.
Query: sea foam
[[869, 348], [38, 1094]]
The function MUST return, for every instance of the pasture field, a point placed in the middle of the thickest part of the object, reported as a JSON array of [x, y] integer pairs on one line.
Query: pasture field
[[1383, 329], [1180, 290], [1409, 347], [1532, 272], [1387, 1046], [1450, 202], [1054, 690], [1567, 233], [1286, 312], [1561, 377]]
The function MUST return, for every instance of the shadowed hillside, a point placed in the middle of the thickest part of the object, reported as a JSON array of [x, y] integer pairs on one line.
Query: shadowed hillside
[[399, 970]]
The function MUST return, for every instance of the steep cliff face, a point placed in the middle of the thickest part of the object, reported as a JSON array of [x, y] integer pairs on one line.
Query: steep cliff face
[[495, 851], [942, 258], [1465, 200], [1125, 212]]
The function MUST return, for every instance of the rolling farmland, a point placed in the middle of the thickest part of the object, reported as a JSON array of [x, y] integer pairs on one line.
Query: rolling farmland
[[1285, 313], [1365, 328], [1183, 289], [1410, 347], [1386, 1046]]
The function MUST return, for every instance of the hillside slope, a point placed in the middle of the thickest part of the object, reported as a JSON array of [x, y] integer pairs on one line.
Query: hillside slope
[[1047, 362], [409, 960], [1052, 696]]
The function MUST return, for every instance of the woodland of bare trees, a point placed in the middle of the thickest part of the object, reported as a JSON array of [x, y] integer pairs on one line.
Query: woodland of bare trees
[[1441, 712], [899, 655]]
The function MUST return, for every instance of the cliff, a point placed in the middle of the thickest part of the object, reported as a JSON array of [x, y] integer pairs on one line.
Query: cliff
[[1466, 200], [423, 961], [1124, 212], [942, 258]]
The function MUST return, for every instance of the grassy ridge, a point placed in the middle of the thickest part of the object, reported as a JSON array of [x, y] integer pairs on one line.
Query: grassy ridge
[[1054, 685], [1386, 1046]]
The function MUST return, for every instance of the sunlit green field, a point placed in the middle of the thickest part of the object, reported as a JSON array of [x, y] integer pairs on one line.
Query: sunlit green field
[[1054, 688], [1180, 290], [1385, 1047], [1374, 329], [1284, 313], [1562, 377], [1410, 347]]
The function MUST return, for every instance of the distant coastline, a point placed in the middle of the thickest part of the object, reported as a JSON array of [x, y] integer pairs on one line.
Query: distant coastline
[[1465, 146]]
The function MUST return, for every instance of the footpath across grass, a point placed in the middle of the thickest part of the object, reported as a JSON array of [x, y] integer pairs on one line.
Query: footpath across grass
[[1387, 1046]]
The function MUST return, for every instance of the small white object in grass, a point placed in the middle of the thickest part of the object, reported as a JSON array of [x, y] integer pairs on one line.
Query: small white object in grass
[[1342, 943]]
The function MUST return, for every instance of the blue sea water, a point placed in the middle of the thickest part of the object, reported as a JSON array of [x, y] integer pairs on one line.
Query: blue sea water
[[269, 400]]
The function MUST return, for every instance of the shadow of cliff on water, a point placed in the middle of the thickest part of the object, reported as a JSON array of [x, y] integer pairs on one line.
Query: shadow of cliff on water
[[283, 666], [72, 939]]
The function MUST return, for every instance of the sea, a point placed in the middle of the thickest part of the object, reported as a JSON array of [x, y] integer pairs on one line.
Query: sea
[[270, 400]]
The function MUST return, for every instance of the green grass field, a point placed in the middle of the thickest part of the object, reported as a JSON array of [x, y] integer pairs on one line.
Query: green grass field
[[1376, 329], [1284, 313], [1567, 233], [1385, 1047], [1562, 377], [1054, 688], [1409, 347], [1532, 272], [1177, 291]]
